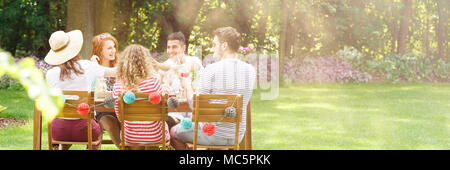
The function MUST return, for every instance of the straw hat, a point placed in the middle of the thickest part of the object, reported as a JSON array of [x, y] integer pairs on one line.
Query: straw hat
[[64, 46]]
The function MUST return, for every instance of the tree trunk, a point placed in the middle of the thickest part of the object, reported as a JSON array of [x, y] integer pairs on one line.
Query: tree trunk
[[283, 40], [427, 32], [261, 33], [442, 28], [180, 17], [123, 15], [80, 15], [404, 25], [394, 29], [104, 16], [185, 13], [166, 25]]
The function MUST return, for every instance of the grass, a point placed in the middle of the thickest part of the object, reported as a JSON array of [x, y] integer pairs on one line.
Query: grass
[[314, 116], [354, 116]]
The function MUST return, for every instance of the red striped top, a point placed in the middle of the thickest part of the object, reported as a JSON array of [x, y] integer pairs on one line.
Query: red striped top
[[142, 132]]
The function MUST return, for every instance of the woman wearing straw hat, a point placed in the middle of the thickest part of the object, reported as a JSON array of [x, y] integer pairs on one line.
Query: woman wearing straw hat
[[69, 72]]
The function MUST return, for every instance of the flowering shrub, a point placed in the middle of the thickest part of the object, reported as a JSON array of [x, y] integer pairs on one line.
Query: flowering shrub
[[6, 82], [322, 69], [263, 65]]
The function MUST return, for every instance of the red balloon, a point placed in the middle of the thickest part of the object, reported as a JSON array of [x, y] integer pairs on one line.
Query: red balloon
[[185, 75], [209, 129], [154, 98], [83, 109]]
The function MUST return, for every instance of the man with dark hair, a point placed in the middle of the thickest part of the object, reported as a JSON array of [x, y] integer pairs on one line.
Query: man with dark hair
[[177, 36], [227, 76], [230, 36], [177, 63]]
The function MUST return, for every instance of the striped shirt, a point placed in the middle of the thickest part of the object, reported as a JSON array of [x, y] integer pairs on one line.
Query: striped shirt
[[228, 76], [142, 132]]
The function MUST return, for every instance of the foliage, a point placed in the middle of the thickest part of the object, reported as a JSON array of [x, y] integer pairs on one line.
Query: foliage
[[316, 28], [26, 25], [395, 67], [48, 99]]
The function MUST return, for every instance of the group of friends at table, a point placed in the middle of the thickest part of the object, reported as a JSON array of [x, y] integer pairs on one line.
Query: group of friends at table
[[135, 70]]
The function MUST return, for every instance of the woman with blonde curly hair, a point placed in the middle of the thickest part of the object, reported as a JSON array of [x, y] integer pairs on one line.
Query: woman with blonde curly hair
[[134, 73]]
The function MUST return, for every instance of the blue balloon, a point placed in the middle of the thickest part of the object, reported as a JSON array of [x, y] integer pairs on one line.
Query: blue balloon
[[186, 123], [129, 97]]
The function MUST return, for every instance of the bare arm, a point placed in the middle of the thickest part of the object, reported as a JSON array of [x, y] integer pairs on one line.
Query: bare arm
[[163, 67], [157, 65]]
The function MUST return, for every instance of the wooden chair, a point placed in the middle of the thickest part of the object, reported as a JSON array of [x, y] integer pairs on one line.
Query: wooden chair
[[143, 111], [206, 111], [71, 112]]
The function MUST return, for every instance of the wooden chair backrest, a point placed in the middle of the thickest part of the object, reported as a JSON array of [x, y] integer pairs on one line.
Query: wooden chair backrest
[[143, 110], [211, 108], [71, 112]]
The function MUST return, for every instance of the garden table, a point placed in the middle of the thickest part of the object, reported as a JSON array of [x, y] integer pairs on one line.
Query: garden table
[[246, 143]]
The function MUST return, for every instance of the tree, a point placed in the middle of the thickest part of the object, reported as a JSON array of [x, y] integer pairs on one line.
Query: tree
[[404, 25], [81, 16], [285, 31], [26, 25], [180, 16], [442, 29], [92, 18]]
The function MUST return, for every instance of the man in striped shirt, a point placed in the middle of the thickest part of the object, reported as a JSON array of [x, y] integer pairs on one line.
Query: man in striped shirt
[[227, 76]]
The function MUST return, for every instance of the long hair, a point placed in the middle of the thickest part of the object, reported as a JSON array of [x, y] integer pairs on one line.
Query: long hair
[[97, 47], [133, 67], [70, 66]]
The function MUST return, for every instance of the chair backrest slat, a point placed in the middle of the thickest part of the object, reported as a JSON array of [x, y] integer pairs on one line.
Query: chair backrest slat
[[211, 107], [144, 110], [82, 97]]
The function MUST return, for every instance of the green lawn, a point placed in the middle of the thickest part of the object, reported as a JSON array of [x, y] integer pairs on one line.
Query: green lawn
[[315, 116]]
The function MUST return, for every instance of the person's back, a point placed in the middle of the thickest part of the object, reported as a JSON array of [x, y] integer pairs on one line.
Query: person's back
[[78, 82], [229, 76], [134, 74], [71, 73], [142, 132]]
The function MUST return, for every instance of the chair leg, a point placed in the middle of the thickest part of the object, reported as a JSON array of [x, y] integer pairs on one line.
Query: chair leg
[[49, 132]]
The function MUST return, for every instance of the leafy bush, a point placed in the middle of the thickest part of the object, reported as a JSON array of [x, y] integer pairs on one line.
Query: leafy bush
[[408, 67]]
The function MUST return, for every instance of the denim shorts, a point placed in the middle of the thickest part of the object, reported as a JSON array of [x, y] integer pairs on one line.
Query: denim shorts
[[187, 135]]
